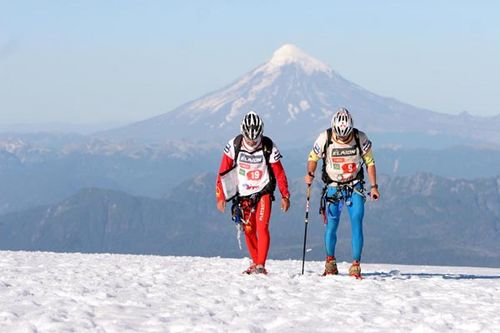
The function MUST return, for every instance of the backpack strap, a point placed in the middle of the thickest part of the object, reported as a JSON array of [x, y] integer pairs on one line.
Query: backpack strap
[[237, 147], [356, 138], [324, 175], [361, 172], [267, 148]]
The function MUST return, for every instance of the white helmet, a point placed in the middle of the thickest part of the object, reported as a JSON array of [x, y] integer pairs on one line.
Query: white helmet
[[342, 123], [252, 126]]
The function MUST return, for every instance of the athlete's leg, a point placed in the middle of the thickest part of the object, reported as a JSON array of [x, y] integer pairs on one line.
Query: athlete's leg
[[262, 216], [333, 218], [250, 229], [356, 214]]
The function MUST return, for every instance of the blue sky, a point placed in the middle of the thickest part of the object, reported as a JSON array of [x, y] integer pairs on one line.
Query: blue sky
[[121, 61]]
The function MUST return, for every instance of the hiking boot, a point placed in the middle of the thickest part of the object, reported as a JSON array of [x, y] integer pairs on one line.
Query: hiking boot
[[259, 269], [251, 269], [331, 266], [355, 269]]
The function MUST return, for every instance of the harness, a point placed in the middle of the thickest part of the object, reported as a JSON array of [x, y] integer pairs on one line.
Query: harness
[[240, 204], [341, 196]]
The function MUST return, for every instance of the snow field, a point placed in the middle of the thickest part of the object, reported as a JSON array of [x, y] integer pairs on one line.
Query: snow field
[[49, 292]]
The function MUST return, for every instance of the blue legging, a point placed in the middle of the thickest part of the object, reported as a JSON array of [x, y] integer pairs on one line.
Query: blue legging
[[356, 213]]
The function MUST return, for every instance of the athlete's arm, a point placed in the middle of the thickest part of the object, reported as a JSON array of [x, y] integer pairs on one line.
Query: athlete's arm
[[279, 173], [372, 174], [311, 168], [314, 156], [368, 158]]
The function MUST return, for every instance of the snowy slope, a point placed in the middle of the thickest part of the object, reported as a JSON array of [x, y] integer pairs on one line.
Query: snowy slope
[[46, 292]]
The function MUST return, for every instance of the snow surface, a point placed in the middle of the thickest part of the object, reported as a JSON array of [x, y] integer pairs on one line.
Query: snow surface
[[48, 292]]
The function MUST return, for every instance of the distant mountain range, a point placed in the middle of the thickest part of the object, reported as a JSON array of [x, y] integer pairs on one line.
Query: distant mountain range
[[296, 95], [43, 169], [421, 219], [97, 220]]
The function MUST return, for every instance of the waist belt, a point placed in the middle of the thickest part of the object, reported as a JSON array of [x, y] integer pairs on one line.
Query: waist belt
[[343, 194]]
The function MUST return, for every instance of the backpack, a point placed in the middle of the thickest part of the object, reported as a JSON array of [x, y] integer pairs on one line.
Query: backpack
[[326, 179], [267, 148]]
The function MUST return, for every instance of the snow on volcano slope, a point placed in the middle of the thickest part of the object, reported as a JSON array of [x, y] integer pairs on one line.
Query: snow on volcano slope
[[48, 292]]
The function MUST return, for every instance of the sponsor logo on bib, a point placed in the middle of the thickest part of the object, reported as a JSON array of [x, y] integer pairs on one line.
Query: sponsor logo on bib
[[250, 187], [343, 152], [251, 159], [244, 165]]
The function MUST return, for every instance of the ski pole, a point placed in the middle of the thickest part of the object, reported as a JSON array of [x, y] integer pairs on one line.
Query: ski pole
[[306, 220]]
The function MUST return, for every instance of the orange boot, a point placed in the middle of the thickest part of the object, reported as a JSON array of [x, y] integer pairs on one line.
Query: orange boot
[[330, 266], [355, 270]]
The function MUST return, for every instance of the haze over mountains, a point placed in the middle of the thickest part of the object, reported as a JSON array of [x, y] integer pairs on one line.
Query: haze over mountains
[[43, 169], [422, 219], [297, 94]]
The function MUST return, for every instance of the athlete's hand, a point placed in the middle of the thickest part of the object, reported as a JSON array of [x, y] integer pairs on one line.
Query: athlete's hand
[[221, 205], [374, 193], [285, 204], [309, 178]]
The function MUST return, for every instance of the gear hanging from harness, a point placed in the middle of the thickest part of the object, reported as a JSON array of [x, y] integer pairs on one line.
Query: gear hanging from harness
[[344, 189], [249, 202]]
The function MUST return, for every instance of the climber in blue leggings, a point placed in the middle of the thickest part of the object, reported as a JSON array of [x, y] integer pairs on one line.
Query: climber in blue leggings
[[344, 150]]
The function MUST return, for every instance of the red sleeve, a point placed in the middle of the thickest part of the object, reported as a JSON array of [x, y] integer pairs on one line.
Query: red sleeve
[[225, 164], [279, 173]]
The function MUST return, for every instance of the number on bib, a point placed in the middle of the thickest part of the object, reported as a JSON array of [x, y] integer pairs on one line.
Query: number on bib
[[349, 167], [254, 175]]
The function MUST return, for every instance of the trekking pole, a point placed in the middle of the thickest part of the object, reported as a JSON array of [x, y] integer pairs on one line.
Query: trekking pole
[[306, 220]]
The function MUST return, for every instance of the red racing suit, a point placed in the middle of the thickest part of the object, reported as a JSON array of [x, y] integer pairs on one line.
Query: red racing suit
[[253, 177]]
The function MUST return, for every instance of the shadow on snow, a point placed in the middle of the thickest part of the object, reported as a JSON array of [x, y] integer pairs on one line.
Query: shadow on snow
[[397, 274]]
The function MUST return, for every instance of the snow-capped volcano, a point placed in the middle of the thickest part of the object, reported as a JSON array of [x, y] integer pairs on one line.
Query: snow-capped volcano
[[279, 90], [291, 54], [297, 95]]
